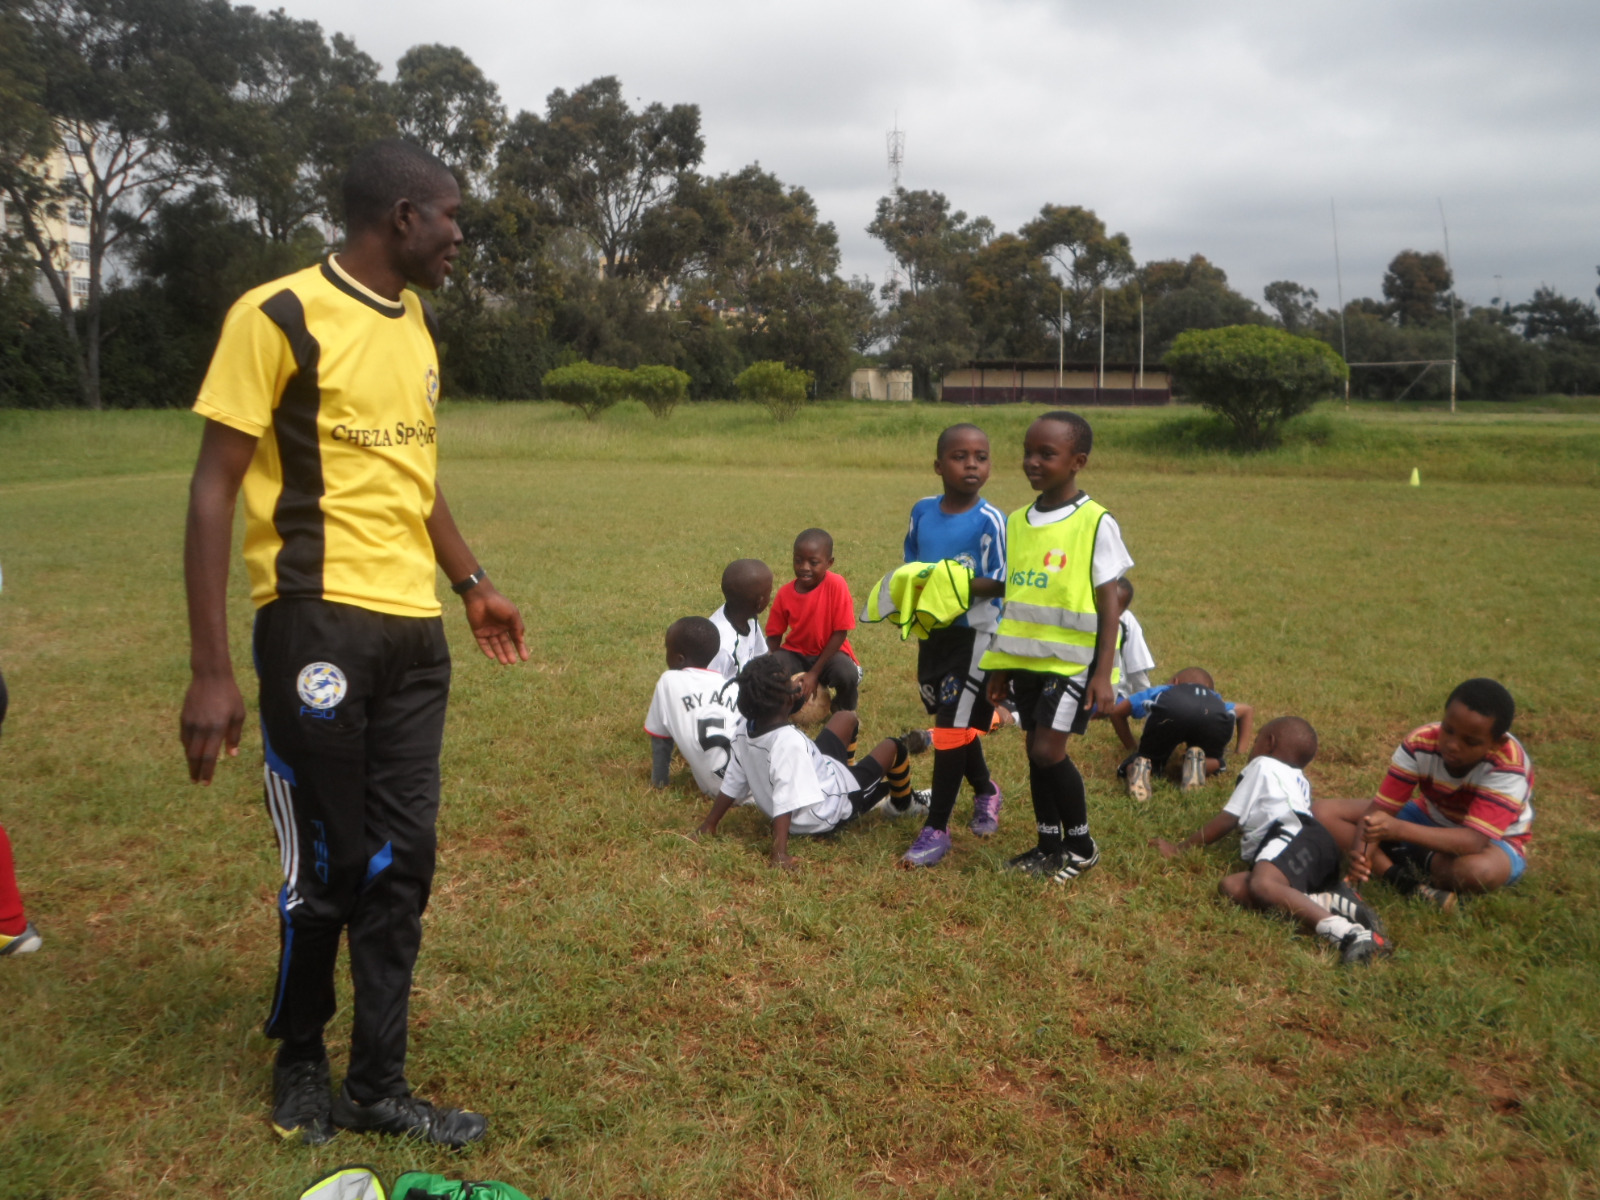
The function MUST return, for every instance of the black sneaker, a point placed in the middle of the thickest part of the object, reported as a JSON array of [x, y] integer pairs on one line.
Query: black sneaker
[[916, 741], [1344, 901], [1071, 865], [301, 1102], [1038, 862], [411, 1117], [1360, 947]]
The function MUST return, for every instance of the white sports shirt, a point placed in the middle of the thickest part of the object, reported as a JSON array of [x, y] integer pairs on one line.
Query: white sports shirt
[[784, 772], [1269, 792], [1134, 659], [699, 711], [737, 648]]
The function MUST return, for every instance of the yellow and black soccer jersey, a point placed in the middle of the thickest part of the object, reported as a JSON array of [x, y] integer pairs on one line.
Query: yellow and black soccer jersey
[[339, 384]]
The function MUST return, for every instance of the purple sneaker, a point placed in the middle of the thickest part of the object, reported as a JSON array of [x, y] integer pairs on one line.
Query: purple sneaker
[[986, 810], [931, 845]]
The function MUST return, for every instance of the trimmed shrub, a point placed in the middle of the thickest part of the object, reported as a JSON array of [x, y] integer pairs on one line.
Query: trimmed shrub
[[782, 389], [589, 388], [1254, 376], [661, 388]]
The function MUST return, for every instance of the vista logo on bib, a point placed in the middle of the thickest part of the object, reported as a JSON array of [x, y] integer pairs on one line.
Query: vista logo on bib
[[321, 686]]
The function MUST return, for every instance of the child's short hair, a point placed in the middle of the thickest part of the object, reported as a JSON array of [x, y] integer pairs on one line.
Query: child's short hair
[[1082, 435], [810, 537], [741, 573], [696, 638], [950, 431], [1294, 738], [765, 689], [1487, 698], [1196, 675]]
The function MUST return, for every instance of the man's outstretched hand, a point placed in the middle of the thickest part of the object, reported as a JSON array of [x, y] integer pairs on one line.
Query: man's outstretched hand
[[496, 624], [213, 717]]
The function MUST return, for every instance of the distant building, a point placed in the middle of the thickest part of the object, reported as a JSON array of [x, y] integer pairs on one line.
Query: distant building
[[1016, 381], [68, 229], [879, 383]]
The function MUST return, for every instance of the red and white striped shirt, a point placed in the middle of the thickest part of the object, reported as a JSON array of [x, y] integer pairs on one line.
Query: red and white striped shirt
[[1495, 798]]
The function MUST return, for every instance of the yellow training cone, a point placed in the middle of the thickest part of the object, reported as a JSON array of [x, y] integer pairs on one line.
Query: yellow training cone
[[1416, 478]]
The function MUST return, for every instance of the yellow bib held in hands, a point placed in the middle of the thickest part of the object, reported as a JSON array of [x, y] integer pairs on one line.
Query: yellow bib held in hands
[[1049, 621], [921, 597]]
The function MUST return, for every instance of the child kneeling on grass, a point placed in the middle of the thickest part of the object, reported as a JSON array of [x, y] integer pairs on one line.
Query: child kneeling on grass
[[1185, 711], [1455, 811], [1293, 860], [804, 786]]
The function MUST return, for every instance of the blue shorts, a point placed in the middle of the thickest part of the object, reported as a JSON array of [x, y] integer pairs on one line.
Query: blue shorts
[[1418, 815]]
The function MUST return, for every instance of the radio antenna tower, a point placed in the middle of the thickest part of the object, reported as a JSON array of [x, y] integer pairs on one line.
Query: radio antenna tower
[[897, 152]]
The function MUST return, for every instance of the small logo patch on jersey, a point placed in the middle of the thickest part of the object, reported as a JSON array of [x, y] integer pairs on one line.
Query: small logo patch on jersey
[[1055, 560], [430, 385], [321, 685], [967, 561]]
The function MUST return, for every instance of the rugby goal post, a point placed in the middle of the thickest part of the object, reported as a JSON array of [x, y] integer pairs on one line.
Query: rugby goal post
[[1427, 364]]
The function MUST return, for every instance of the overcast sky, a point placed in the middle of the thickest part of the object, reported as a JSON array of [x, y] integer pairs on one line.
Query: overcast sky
[[1223, 128]]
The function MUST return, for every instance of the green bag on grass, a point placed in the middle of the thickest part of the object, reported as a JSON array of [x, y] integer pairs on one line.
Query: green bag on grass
[[362, 1183]]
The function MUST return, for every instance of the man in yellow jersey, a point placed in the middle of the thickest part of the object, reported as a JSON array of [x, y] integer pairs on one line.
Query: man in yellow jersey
[[1053, 649], [319, 404]]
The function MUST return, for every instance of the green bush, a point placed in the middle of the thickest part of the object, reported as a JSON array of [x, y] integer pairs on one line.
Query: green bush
[[661, 388], [782, 389], [1254, 376], [589, 388]]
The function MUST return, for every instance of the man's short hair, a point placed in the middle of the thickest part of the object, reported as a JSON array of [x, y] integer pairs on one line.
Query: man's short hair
[[1082, 435], [384, 173], [1487, 698]]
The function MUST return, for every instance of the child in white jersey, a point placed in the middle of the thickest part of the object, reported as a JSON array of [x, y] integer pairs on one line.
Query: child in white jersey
[[1134, 661], [805, 787], [1293, 860], [693, 708], [746, 592]]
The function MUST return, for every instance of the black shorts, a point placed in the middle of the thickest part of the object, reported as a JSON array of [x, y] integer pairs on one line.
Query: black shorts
[[1309, 860], [951, 682], [1185, 715], [869, 773], [1050, 701]]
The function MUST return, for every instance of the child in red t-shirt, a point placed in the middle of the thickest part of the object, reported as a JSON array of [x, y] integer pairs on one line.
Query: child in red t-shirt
[[809, 620]]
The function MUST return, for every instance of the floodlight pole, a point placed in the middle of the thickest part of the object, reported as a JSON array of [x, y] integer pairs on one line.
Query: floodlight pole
[[1100, 376], [1338, 274], [1061, 352], [1443, 224], [1141, 341]]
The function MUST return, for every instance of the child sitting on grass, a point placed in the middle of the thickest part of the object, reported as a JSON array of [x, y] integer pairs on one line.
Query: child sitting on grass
[[1134, 660], [693, 708], [804, 786], [811, 617], [1455, 811], [746, 592], [1184, 711], [1290, 855]]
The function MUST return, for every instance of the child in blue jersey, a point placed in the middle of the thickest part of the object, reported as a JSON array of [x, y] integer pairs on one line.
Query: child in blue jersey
[[1057, 635], [963, 526], [1185, 711]]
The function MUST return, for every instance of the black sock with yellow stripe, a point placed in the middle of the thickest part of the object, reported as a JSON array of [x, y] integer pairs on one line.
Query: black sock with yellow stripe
[[899, 777]]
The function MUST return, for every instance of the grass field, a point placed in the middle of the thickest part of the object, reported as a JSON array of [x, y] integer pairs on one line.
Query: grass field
[[644, 1016]]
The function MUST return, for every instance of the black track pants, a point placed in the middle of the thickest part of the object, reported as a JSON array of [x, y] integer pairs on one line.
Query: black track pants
[[352, 715]]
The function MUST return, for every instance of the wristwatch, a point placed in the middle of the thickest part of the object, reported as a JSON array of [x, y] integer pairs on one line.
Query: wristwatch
[[470, 582]]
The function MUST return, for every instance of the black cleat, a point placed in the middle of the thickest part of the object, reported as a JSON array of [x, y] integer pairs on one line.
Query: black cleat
[[1360, 947], [1038, 862], [1070, 865], [1344, 901], [410, 1117], [916, 741], [301, 1102]]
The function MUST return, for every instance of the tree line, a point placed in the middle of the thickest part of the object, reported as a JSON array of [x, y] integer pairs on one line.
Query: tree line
[[208, 141]]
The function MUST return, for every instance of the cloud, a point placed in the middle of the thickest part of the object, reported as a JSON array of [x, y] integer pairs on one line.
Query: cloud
[[1223, 129]]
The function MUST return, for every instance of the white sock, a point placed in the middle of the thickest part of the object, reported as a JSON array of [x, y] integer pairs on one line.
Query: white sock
[[1335, 927]]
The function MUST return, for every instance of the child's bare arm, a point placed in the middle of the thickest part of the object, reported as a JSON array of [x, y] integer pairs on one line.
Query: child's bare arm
[[719, 809], [780, 844], [1220, 825], [1098, 693], [832, 646], [984, 588], [1244, 716], [660, 761], [1119, 722]]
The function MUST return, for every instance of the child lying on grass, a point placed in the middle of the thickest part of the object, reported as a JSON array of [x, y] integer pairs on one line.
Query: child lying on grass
[[1293, 860], [806, 787]]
